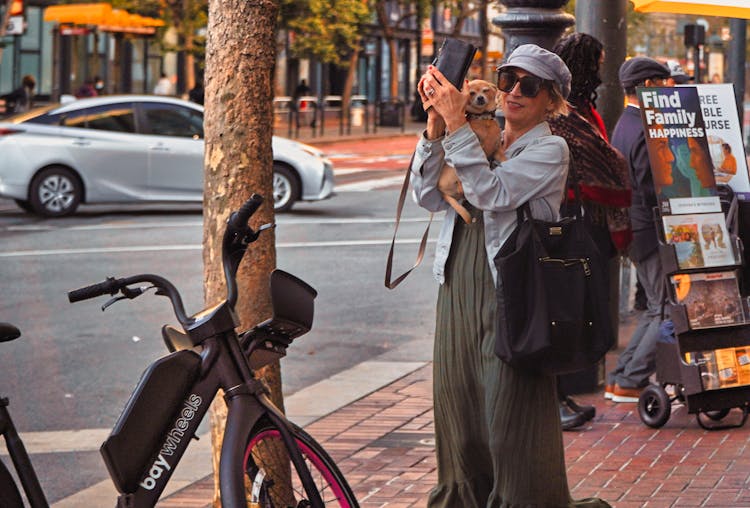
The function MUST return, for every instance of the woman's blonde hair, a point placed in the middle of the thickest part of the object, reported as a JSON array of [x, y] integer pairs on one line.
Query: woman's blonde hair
[[560, 106]]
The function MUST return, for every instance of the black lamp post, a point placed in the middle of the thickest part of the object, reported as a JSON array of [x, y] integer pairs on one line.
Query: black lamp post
[[539, 22]]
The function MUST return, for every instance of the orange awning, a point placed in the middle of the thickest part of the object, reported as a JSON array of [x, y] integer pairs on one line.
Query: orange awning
[[722, 8], [103, 17]]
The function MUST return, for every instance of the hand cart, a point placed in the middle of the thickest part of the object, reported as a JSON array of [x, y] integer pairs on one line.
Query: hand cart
[[686, 366]]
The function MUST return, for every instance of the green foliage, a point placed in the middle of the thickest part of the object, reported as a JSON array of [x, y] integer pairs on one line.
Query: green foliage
[[328, 30], [186, 17]]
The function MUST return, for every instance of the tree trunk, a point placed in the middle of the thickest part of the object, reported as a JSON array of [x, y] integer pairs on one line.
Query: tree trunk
[[393, 51], [240, 59]]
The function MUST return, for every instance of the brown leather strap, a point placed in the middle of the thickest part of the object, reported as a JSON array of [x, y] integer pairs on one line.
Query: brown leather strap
[[390, 284]]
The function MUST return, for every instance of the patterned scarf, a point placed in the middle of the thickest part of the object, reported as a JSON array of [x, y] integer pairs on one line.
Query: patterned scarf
[[601, 173]]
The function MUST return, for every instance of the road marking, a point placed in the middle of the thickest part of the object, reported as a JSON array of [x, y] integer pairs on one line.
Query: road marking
[[368, 185], [280, 220], [157, 248]]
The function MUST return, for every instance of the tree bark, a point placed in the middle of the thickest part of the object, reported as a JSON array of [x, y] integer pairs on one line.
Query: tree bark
[[240, 59]]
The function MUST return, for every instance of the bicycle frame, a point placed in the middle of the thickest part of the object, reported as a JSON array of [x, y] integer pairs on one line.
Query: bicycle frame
[[173, 396], [246, 403], [20, 459]]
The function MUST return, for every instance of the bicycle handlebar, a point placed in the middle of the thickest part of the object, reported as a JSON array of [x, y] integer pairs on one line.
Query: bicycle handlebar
[[108, 287], [236, 238], [239, 218]]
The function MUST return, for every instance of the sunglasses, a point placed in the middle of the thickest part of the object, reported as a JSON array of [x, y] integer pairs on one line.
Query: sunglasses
[[530, 85]]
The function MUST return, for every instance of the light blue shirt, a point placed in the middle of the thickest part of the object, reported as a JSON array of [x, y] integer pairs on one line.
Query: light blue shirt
[[535, 171]]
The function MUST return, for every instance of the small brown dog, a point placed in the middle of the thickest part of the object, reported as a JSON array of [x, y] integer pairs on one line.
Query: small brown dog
[[480, 112]]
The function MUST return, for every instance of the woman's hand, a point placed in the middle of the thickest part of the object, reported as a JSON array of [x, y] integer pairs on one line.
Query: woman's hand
[[444, 98], [435, 122]]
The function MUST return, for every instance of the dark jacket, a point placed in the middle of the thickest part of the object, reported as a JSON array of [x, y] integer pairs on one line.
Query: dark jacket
[[17, 101], [629, 138]]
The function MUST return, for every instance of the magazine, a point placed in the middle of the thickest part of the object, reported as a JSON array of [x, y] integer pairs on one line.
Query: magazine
[[710, 299], [700, 240], [678, 150]]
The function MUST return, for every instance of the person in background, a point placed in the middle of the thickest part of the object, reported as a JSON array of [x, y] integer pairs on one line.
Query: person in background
[[99, 85], [676, 74], [637, 362], [86, 89], [301, 90], [497, 429], [163, 86], [197, 93], [305, 113], [601, 174], [22, 98]]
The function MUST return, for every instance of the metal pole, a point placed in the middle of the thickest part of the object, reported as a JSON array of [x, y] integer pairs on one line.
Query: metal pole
[[737, 53], [540, 22], [607, 22]]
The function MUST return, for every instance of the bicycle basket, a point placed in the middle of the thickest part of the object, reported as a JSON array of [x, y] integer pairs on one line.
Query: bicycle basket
[[293, 310]]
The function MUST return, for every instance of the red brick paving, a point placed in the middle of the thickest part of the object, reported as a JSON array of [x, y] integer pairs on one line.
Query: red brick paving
[[383, 445]]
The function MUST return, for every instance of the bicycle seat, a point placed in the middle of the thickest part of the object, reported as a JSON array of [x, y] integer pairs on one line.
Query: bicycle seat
[[175, 339], [8, 332]]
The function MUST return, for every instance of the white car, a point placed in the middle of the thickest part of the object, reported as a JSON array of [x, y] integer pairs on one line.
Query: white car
[[127, 149]]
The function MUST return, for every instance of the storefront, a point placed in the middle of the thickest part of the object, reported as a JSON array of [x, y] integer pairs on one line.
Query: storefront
[[96, 40]]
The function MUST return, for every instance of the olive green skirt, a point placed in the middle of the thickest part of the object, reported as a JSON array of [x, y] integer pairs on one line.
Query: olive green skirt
[[498, 435]]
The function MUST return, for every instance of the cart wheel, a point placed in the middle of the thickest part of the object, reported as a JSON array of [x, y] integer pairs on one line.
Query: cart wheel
[[654, 406], [717, 415]]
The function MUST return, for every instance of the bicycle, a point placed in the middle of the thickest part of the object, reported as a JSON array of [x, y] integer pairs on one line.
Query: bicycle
[[283, 466]]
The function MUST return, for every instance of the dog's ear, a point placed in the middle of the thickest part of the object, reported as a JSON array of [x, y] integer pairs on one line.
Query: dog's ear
[[494, 90]]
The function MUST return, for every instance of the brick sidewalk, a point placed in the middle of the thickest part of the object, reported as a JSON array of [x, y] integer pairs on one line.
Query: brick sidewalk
[[383, 445]]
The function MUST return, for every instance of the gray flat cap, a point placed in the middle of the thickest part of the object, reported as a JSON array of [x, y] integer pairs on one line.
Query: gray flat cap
[[640, 68], [679, 76], [541, 63]]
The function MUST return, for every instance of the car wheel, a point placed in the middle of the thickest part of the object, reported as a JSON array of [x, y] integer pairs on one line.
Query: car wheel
[[24, 205], [285, 188], [55, 192]]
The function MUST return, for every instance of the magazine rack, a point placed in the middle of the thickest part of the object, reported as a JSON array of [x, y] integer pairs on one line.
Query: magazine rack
[[687, 369]]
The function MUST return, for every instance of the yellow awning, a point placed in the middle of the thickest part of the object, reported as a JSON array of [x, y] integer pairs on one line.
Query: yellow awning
[[102, 16], [722, 8]]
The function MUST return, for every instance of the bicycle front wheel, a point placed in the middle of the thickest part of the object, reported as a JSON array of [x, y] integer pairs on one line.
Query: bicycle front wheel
[[273, 481]]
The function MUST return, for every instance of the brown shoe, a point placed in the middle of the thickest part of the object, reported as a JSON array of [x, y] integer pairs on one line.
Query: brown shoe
[[621, 394]]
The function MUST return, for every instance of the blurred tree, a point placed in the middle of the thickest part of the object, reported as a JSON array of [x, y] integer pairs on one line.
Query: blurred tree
[[330, 31], [393, 16], [186, 18]]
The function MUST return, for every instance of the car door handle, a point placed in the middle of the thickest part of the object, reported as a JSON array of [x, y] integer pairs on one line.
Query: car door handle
[[159, 148], [82, 142]]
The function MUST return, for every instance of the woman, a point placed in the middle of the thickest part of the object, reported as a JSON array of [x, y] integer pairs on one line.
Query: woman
[[498, 436], [602, 177]]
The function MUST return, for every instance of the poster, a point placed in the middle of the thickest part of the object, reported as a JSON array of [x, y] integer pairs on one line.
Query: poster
[[725, 144], [678, 150]]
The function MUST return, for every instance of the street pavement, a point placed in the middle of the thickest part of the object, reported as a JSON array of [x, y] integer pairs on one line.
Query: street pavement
[[383, 442], [376, 421], [384, 445]]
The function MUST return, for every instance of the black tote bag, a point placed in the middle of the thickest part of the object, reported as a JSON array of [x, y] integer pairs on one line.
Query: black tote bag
[[552, 299]]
